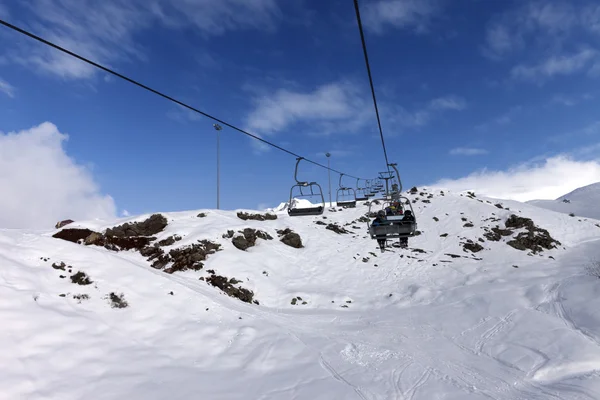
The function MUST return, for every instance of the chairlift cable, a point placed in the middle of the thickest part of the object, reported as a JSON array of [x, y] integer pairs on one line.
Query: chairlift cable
[[364, 46], [130, 80]]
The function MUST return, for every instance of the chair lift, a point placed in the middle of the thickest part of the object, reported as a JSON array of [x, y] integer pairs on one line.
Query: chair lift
[[294, 211], [360, 192], [369, 190], [395, 227], [345, 196]]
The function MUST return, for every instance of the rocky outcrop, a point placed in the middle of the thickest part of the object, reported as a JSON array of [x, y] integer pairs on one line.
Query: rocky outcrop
[[151, 226], [226, 285], [73, 234], [337, 229], [63, 223], [256, 217], [247, 238], [291, 238]]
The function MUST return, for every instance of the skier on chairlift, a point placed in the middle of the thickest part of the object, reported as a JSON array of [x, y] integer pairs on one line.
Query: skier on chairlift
[[380, 219], [409, 218]]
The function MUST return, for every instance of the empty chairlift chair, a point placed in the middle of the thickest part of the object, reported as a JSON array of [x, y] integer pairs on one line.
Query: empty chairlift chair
[[345, 197], [305, 190], [361, 194]]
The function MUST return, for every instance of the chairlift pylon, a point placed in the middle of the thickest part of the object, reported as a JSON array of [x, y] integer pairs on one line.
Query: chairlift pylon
[[294, 211]]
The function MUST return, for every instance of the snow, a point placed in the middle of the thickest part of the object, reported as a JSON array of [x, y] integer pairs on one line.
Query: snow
[[406, 324], [582, 202]]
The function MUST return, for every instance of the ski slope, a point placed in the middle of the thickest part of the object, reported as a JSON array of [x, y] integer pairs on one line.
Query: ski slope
[[582, 202], [434, 321]]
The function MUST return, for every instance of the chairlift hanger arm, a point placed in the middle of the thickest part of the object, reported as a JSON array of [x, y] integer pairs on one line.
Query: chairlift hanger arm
[[394, 166]]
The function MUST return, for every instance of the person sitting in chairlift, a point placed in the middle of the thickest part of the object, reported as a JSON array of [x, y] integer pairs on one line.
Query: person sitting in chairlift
[[408, 217], [379, 220]]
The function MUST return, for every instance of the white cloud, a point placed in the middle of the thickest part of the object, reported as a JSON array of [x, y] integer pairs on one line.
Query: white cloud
[[413, 14], [467, 151], [42, 185], [106, 31], [334, 107], [555, 65], [544, 23], [338, 107], [217, 17], [125, 213], [7, 88], [500, 41], [550, 179], [572, 100], [448, 103]]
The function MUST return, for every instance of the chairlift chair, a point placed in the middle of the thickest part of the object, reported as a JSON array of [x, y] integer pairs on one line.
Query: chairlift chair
[[394, 227], [360, 192], [294, 211], [345, 196]]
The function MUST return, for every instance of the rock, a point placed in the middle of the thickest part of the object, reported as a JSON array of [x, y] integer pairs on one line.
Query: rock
[[414, 190], [201, 215], [81, 278], [535, 239], [222, 283], [452, 255], [63, 223], [248, 238], [337, 229], [468, 225], [290, 238], [93, 238], [117, 243], [169, 241], [499, 205], [151, 226], [436, 219], [60, 266], [73, 234], [496, 234], [472, 247], [228, 235], [444, 235], [117, 301], [257, 217], [183, 258]]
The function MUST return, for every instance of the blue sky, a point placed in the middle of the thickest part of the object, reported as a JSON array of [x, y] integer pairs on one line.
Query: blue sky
[[473, 94]]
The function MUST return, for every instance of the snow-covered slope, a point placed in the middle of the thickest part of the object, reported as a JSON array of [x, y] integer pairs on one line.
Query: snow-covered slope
[[461, 314], [581, 202]]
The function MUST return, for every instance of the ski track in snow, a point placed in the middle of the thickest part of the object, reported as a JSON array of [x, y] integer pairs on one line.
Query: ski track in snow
[[413, 330]]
